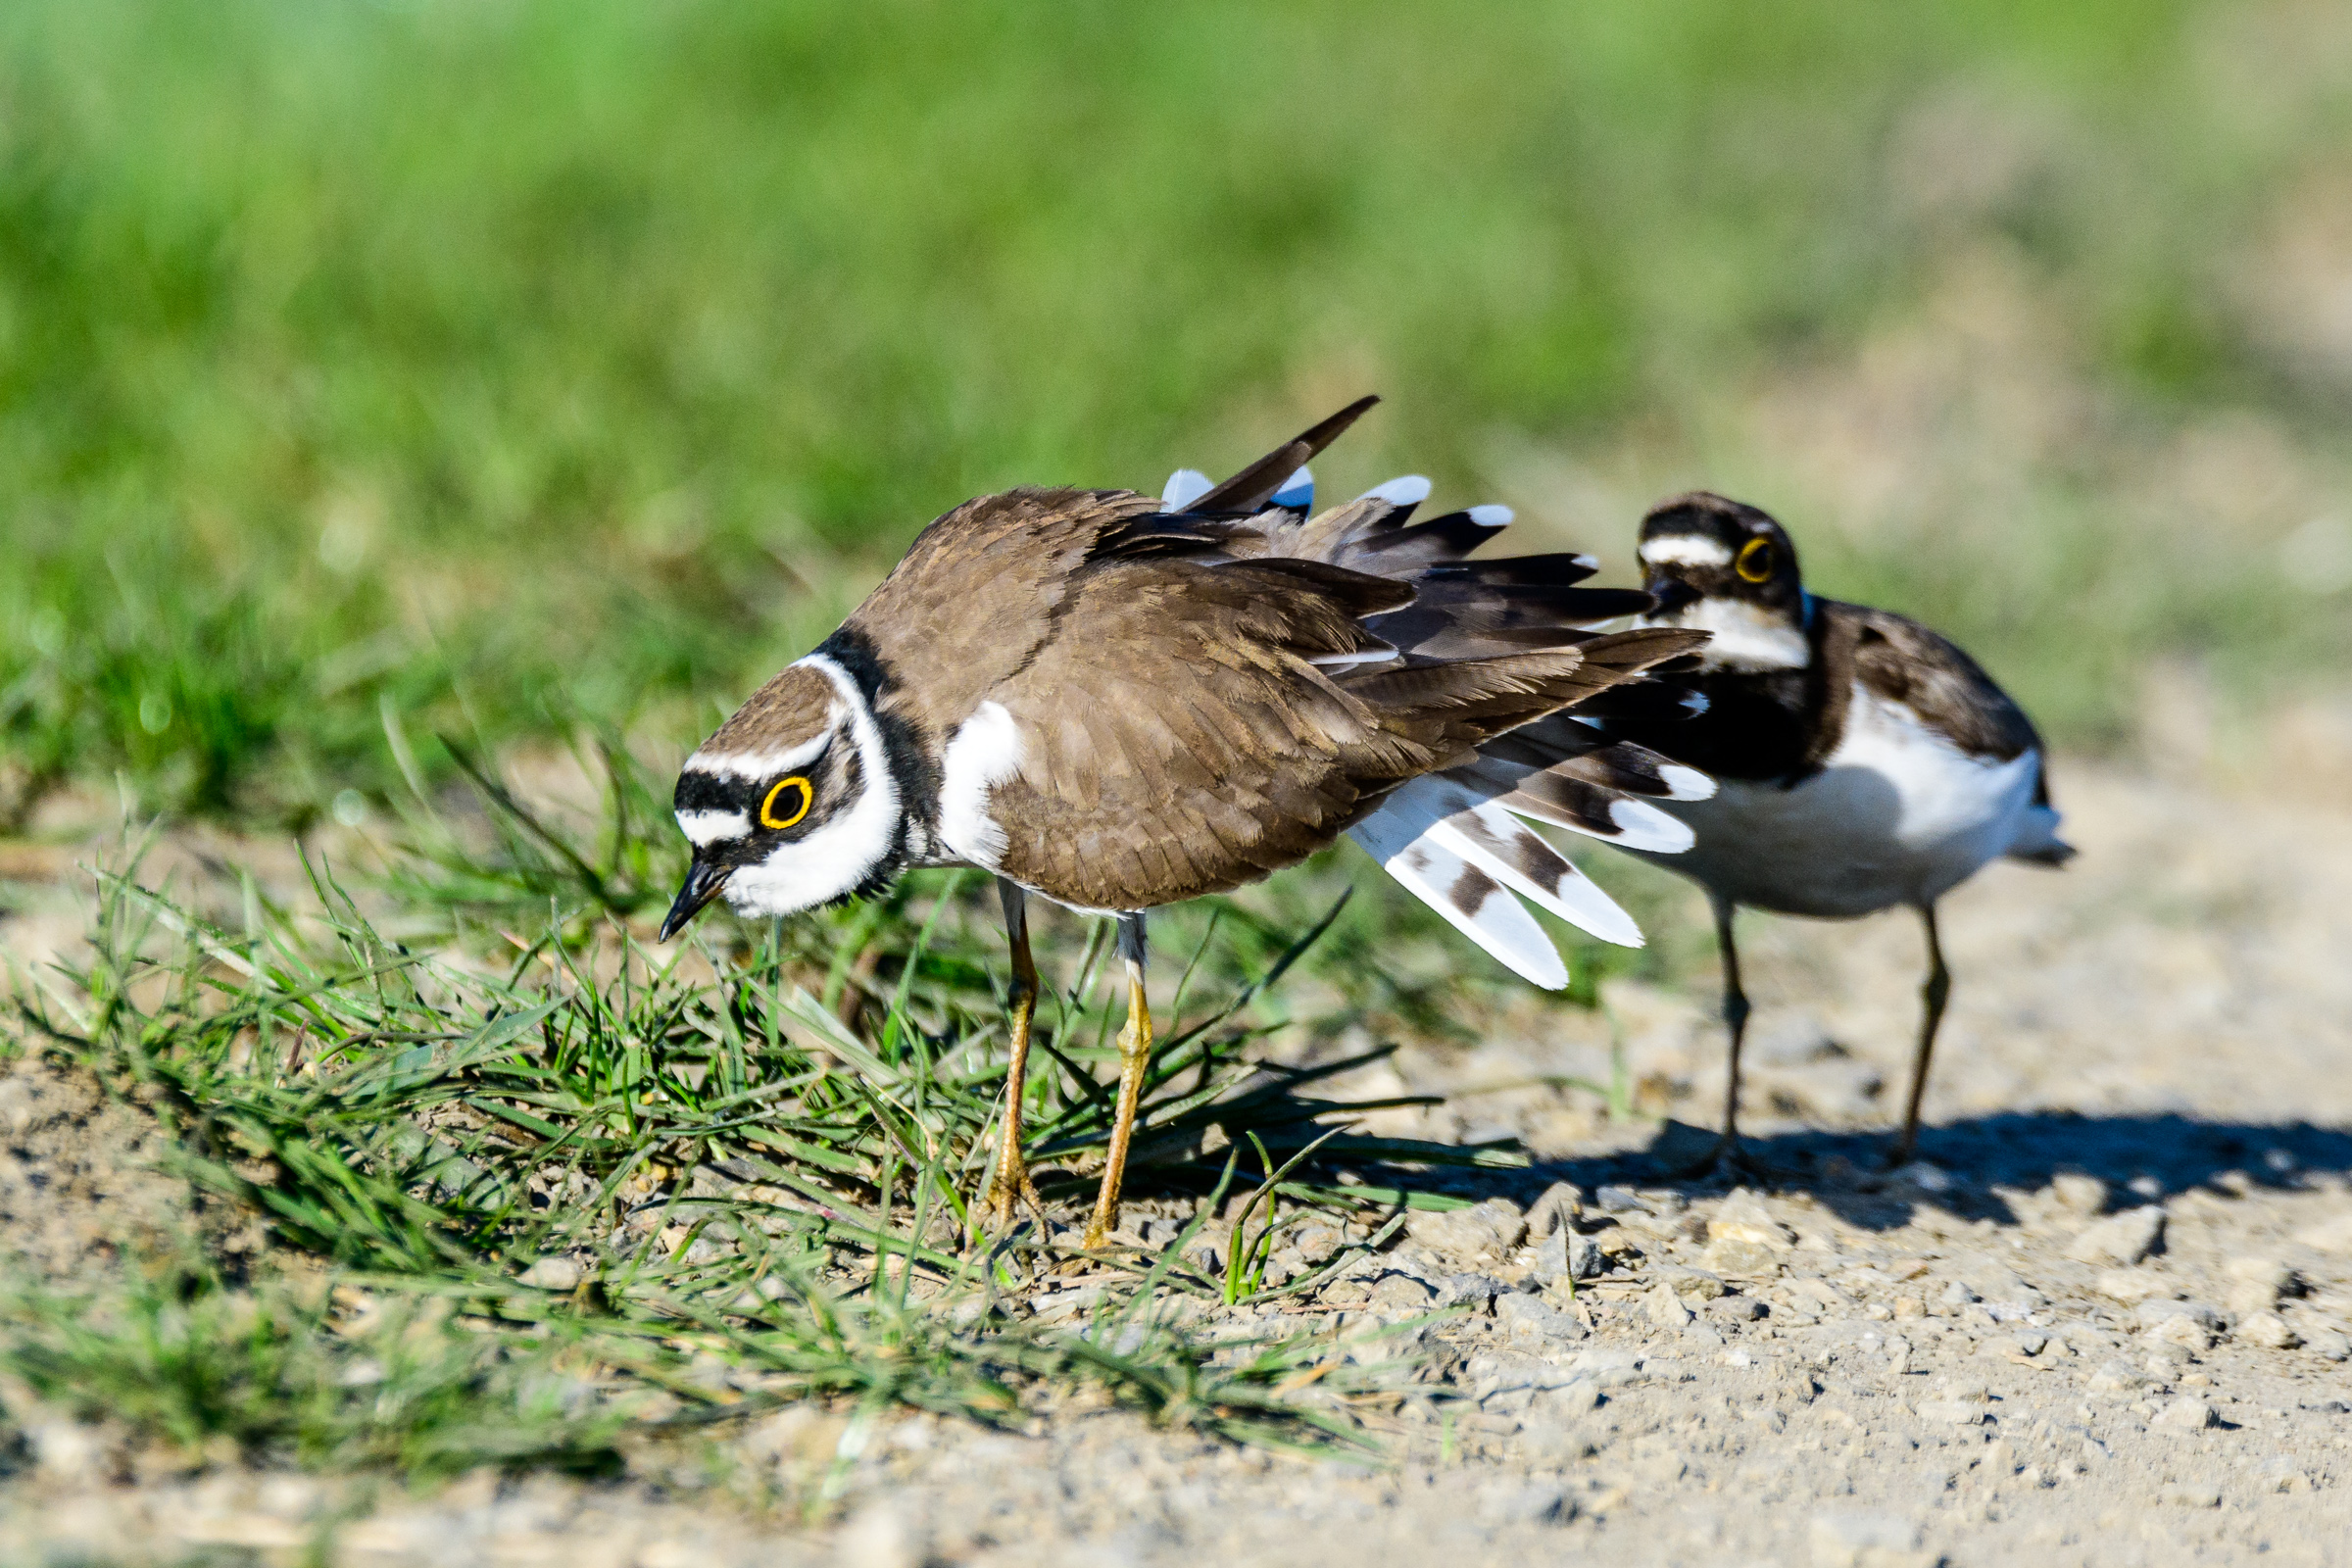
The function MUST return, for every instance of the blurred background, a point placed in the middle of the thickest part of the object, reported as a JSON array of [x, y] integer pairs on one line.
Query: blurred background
[[509, 366]]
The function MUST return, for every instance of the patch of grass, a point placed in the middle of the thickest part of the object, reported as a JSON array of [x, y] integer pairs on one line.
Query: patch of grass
[[519, 363], [213, 1375], [737, 1174]]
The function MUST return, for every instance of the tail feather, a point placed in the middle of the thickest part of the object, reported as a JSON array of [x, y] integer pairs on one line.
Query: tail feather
[[1478, 671], [2037, 842]]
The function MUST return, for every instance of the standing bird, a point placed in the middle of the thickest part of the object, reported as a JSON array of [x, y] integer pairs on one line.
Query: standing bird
[[1119, 702], [1863, 760]]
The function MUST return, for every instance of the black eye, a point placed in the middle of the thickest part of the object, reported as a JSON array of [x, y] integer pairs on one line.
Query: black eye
[[787, 803], [1756, 560]]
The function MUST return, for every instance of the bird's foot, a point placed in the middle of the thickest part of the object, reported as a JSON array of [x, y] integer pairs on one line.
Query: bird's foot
[[1002, 1194]]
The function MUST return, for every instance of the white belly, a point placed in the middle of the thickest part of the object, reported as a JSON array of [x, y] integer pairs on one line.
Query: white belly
[[1897, 816]]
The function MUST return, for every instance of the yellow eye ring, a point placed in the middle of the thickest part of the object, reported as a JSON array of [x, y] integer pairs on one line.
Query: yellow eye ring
[[1756, 560], [767, 808]]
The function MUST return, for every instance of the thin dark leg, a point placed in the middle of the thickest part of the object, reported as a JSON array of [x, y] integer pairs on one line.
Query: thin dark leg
[[1934, 994], [1012, 1178], [1135, 1055], [1735, 1018]]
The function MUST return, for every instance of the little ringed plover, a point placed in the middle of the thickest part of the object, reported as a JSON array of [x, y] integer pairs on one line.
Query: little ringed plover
[[1117, 702], [1863, 762]]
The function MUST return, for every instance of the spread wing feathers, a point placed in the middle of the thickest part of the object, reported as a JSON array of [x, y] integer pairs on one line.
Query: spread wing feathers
[[1469, 897], [1452, 838], [1256, 485], [1455, 816], [1574, 749], [1577, 805]]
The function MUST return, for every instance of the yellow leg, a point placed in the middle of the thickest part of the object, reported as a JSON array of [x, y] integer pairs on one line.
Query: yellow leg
[[1135, 1055], [1012, 1178]]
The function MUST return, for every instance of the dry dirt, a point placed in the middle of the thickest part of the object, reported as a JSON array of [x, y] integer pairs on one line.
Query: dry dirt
[[2103, 1321]]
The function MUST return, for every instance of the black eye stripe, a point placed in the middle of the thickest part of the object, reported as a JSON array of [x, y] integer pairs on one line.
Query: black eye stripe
[[708, 792]]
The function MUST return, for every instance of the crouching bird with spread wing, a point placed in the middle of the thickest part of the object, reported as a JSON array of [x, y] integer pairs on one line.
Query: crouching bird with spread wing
[[1121, 702]]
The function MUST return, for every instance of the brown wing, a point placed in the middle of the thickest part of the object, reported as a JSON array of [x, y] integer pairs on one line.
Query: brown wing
[[979, 591], [1897, 658], [1179, 738]]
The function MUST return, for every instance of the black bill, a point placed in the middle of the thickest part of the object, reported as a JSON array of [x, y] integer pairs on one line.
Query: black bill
[[703, 882]]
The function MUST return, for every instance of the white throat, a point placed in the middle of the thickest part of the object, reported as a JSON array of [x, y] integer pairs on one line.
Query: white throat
[[1746, 639], [840, 857]]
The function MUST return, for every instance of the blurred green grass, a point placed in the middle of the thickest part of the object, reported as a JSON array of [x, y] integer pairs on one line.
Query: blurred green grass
[[511, 364]]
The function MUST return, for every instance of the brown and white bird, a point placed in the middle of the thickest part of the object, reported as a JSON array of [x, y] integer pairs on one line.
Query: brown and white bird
[[1118, 702], [1862, 760]]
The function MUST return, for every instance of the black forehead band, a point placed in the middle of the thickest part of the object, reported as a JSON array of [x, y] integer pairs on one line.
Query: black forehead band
[[699, 791]]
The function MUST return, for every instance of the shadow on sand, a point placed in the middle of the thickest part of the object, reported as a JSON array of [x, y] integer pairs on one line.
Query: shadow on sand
[[1973, 1165]]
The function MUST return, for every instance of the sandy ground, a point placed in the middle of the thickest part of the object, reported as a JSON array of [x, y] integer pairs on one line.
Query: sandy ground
[[2104, 1320]]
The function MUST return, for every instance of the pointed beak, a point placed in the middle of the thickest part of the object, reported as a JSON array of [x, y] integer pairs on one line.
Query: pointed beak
[[1670, 594], [702, 883]]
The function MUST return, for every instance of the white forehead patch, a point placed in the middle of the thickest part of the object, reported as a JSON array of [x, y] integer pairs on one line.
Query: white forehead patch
[[755, 765], [703, 828], [1687, 550]]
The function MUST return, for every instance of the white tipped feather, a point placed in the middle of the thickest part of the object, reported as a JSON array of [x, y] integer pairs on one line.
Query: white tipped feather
[[1506, 849], [1642, 826], [1405, 490], [1572, 895], [1685, 783], [1184, 487], [1474, 902], [1491, 516], [1297, 492]]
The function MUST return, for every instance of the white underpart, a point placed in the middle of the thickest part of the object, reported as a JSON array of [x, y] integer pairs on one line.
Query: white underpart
[[704, 828], [1746, 636], [985, 752], [1897, 814], [760, 764], [1686, 550], [1184, 487], [1405, 490], [838, 856]]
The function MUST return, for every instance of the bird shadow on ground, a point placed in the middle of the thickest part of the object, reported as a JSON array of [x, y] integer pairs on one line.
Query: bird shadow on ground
[[1972, 1168]]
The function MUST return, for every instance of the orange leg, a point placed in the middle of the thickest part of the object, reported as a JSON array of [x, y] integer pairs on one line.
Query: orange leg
[[1135, 1055], [1012, 1178]]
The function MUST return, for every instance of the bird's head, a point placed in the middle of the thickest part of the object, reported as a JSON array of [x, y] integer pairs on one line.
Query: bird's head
[[1726, 568], [793, 803]]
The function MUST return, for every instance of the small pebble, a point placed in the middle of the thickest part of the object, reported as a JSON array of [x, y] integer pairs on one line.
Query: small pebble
[[2189, 1413]]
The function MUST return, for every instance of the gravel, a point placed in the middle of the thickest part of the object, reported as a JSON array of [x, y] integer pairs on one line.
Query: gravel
[[2104, 1320]]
